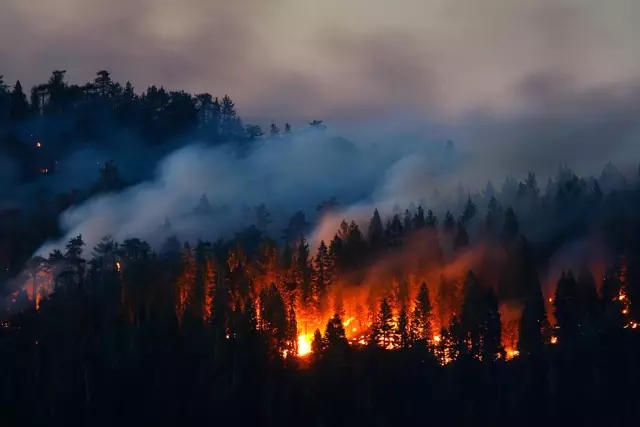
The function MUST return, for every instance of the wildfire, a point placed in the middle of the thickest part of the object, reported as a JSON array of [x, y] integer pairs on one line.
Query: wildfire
[[304, 345]]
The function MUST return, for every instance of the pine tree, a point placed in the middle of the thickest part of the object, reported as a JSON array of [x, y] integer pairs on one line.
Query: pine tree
[[422, 315], [492, 348], [354, 249], [253, 132], [588, 294], [418, 221], [186, 282], [375, 233], [205, 282], [566, 308], [317, 346], [287, 258], [19, 106], [228, 115], [432, 221], [469, 211], [403, 331], [303, 274], [444, 346], [35, 100], [73, 274], [336, 251], [394, 232], [518, 279], [323, 277], [274, 317], [473, 318], [457, 340], [494, 217], [533, 327], [335, 337], [292, 332], [449, 222], [612, 302], [383, 333], [408, 221]]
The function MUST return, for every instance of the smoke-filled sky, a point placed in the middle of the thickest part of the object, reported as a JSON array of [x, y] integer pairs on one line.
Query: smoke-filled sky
[[519, 85], [301, 59]]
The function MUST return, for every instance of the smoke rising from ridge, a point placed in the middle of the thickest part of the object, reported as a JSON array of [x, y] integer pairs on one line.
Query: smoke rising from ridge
[[375, 167], [517, 85]]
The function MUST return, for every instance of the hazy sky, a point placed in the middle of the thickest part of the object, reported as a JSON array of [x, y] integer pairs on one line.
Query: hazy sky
[[288, 59]]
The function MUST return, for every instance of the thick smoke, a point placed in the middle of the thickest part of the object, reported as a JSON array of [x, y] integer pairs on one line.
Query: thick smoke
[[377, 167], [298, 60]]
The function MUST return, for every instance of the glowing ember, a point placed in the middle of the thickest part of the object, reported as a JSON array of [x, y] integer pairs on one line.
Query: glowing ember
[[511, 353], [554, 340], [436, 338], [118, 266]]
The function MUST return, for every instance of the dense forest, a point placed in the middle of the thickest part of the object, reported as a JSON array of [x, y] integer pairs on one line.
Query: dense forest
[[416, 316]]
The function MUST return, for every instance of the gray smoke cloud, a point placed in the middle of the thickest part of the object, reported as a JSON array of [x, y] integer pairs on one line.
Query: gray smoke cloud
[[518, 85], [337, 59], [376, 166]]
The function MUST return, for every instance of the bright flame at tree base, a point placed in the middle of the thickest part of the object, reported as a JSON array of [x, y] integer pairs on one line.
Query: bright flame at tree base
[[304, 345]]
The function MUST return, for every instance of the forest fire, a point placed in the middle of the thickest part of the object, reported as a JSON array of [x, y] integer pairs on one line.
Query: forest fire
[[392, 316], [305, 304], [304, 345]]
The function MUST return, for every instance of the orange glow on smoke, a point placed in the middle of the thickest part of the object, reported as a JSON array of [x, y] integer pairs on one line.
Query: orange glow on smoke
[[357, 297]]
